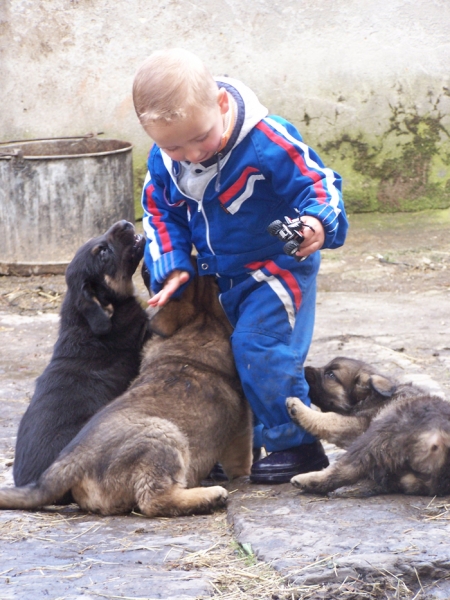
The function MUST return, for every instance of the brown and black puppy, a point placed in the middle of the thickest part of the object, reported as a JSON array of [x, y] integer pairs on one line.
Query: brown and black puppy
[[98, 352], [397, 436], [349, 393], [152, 446]]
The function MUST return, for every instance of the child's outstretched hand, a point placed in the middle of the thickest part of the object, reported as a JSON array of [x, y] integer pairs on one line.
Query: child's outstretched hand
[[172, 283], [314, 236]]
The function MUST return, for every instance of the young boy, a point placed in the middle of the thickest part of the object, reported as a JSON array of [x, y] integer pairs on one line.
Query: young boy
[[220, 172]]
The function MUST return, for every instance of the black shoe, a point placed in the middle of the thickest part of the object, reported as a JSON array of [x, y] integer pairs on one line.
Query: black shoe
[[280, 467], [256, 454], [216, 476]]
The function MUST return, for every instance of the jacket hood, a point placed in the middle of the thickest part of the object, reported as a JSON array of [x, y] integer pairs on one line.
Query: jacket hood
[[250, 109]]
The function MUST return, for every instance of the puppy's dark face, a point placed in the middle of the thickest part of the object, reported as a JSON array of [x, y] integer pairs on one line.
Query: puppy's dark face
[[114, 257], [100, 274], [344, 383]]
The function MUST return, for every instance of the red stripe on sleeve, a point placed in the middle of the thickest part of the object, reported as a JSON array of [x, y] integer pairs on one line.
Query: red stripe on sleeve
[[297, 158], [157, 221], [237, 185]]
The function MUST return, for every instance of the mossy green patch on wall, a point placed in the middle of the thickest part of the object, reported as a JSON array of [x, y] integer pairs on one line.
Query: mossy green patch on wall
[[139, 173], [394, 156], [406, 168]]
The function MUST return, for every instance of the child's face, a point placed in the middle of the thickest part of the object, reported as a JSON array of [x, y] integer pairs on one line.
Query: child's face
[[195, 138]]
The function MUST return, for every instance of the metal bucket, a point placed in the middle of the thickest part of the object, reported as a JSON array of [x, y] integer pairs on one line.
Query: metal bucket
[[56, 194]]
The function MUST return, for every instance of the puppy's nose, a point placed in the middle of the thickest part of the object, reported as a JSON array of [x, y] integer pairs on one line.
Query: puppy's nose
[[124, 225], [121, 227]]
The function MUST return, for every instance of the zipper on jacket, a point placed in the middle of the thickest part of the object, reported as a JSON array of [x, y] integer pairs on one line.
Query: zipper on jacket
[[217, 183]]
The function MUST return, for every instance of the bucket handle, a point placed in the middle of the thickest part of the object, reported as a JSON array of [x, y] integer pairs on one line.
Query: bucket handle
[[74, 137], [19, 154], [16, 154]]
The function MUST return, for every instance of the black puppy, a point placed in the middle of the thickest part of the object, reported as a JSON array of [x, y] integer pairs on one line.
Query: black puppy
[[98, 352]]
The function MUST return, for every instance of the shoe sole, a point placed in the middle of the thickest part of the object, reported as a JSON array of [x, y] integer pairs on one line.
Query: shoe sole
[[286, 477]]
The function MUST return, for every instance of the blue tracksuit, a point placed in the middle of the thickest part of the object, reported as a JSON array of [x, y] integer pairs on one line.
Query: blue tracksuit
[[223, 207]]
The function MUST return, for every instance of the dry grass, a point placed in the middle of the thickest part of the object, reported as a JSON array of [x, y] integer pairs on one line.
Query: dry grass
[[436, 510], [233, 569], [237, 574], [31, 299]]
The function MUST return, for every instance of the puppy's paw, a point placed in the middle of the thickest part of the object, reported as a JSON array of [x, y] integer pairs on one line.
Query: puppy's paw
[[295, 407], [311, 483], [218, 496], [300, 482]]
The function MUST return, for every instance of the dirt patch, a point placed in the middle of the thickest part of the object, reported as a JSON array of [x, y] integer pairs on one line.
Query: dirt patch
[[397, 253]]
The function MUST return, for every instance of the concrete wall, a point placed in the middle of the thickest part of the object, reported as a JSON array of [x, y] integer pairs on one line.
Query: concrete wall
[[367, 82]]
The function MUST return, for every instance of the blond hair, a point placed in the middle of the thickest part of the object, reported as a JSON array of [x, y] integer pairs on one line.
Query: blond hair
[[169, 84]]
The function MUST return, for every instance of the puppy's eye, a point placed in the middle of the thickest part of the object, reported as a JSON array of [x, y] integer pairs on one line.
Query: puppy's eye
[[330, 375]]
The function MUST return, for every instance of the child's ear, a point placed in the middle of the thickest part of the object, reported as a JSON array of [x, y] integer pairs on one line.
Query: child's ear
[[222, 99]]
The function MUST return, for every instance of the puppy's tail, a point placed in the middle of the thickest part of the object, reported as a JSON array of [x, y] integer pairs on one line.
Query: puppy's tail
[[58, 479]]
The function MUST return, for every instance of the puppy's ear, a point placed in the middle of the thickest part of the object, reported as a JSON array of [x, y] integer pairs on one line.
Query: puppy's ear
[[97, 316], [382, 385]]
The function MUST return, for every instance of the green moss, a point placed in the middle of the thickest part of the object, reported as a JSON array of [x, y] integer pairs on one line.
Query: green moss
[[139, 173], [429, 220], [405, 169]]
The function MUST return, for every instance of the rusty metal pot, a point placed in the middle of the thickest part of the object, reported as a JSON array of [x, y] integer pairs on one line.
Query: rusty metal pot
[[57, 193]]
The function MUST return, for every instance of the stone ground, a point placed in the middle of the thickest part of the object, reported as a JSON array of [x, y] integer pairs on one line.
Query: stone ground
[[384, 298]]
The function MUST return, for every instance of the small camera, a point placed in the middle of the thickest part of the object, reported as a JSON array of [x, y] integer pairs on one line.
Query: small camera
[[290, 232]]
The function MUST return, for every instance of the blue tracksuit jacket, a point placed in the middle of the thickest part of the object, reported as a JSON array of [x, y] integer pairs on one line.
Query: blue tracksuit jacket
[[223, 207]]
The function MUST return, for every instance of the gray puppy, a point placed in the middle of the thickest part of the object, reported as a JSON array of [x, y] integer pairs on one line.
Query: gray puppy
[[150, 448], [397, 436]]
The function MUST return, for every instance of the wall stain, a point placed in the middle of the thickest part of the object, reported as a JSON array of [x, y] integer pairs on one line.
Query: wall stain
[[139, 174], [404, 169]]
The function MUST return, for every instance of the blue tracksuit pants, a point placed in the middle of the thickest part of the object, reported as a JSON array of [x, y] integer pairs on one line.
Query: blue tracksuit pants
[[272, 312]]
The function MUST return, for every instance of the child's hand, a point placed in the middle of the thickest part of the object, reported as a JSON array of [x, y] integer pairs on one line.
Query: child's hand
[[172, 283], [314, 237]]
